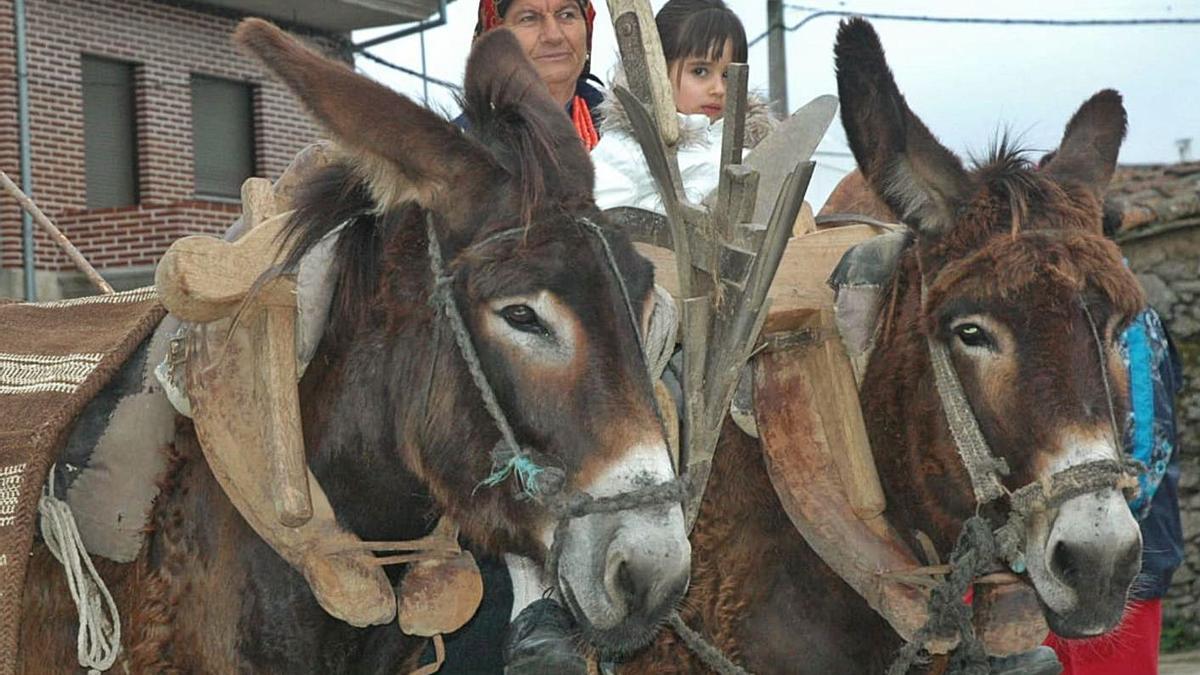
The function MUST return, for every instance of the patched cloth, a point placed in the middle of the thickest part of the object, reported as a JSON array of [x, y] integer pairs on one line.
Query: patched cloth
[[54, 358]]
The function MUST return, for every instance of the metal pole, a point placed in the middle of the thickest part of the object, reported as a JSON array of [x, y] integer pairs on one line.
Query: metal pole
[[25, 163], [777, 57], [424, 73]]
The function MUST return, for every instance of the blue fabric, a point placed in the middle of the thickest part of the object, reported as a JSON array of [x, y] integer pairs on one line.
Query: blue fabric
[[1153, 383], [1141, 404], [1155, 378]]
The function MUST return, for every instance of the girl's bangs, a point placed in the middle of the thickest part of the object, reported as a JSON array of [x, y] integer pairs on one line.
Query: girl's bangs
[[705, 34]]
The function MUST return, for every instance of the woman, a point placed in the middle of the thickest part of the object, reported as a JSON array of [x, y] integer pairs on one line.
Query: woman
[[557, 38]]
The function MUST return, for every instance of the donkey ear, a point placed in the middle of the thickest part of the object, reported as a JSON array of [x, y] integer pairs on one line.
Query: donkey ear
[[505, 98], [905, 165], [1088, 153], [407, 153]]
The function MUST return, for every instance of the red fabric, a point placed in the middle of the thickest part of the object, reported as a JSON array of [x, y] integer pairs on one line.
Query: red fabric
[[1132, 649]]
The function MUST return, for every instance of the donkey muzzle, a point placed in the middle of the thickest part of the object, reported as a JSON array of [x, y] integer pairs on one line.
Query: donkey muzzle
[[1084, 562]]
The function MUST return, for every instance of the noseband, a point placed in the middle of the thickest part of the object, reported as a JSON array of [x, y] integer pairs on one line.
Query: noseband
[[545, 485]]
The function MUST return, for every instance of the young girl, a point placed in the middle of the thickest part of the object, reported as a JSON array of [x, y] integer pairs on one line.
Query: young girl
[[700, 38]]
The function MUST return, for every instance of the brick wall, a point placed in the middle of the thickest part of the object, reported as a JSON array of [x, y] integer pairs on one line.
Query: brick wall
[[167, 43]]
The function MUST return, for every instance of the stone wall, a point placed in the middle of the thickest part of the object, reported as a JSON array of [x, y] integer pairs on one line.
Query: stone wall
[[1168, 264]]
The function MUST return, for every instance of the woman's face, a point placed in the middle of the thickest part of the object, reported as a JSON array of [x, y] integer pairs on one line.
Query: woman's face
[[700, 84], [553, 34]]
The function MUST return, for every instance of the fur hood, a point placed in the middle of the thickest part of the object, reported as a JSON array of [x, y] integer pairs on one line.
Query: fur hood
[[759, 118]]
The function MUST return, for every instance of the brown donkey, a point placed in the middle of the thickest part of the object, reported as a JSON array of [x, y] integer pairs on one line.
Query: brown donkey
[[397, 429], [1006, 269]]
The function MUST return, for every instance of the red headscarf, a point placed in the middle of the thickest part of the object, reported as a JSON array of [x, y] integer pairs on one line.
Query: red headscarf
[[491, 15]]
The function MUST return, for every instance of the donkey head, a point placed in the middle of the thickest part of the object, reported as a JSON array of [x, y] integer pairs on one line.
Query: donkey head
[[1008, 272], [551, 307]]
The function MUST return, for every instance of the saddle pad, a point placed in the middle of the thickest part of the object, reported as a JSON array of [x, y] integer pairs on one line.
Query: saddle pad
[[54, 357]]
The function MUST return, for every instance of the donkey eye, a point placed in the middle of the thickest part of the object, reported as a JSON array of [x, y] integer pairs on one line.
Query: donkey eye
[[972, 335], [523, 318]]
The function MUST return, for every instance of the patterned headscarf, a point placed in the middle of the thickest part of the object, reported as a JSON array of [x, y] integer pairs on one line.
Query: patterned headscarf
[[491, 15]]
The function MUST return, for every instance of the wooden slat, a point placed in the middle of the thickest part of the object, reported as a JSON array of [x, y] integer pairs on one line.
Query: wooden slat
[[799, 289], [644, 63], [790, 143]]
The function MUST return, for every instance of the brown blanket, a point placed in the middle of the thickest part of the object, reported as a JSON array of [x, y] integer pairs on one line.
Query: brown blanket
[[54, 357]]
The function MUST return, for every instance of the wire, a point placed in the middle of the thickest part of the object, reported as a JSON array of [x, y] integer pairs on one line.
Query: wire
[[409, 71], [818, 13]]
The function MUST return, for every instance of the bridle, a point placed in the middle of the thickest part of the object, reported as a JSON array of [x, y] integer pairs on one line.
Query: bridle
[[545, 485], [982, 543]]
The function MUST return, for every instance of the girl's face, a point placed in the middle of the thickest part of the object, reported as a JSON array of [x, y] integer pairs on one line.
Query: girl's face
[[700, 84]]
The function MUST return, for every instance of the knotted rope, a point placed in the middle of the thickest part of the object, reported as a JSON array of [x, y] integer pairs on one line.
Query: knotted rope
[[99, 639]]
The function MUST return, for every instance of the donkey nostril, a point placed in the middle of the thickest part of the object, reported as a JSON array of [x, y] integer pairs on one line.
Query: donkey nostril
[[628, 586], [1064, 564]]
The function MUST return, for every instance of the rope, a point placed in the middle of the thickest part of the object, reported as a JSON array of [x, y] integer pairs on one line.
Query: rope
[[1112, 412], [612, 265], [710, 655], [442, 300], [973, 554], [99, 640], [982, 466], [578, 504]]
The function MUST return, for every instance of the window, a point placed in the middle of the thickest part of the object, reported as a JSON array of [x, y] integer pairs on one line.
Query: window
[[222, 135], [109, 133]]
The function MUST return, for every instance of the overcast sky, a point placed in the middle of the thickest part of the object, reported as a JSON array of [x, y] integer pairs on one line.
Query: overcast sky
[[965, 81]]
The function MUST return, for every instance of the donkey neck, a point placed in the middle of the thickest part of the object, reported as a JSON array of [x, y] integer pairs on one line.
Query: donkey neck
[[378, 407]]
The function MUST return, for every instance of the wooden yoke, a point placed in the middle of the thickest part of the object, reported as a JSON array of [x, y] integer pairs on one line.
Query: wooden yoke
[[242, 384], [202, 279], [724, 261]]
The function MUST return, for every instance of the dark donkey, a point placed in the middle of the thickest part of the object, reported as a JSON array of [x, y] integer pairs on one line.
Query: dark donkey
[[1007, 270], [396, 426]]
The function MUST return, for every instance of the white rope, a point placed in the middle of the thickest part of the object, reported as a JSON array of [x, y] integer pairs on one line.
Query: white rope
[[99, 635]]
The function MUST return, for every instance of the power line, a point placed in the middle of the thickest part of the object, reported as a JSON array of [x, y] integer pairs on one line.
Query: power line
[[409, 71], [817, 13]]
